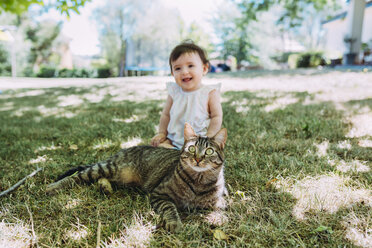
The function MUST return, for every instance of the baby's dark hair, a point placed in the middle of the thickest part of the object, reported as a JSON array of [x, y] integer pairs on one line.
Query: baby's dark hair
[[187, 46]]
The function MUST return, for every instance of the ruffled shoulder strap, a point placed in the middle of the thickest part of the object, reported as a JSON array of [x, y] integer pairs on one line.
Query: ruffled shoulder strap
[[172, 88]]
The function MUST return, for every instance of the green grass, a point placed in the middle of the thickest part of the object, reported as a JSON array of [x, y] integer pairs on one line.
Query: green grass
[[262, 148]]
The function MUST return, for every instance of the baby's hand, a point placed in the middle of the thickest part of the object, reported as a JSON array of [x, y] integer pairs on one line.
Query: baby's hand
[[157, 139]]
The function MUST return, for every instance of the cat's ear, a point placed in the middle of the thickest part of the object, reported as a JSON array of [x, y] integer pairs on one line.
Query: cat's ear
[[188, 132], [221, 137]]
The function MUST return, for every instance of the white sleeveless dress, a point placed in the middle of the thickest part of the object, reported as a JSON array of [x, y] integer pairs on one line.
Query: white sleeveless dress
[[190, 107]]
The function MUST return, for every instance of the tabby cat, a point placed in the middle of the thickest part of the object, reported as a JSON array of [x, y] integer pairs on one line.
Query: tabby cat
[[192, 177]]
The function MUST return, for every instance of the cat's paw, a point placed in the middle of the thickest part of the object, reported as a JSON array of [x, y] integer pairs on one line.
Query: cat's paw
[[173, 226]]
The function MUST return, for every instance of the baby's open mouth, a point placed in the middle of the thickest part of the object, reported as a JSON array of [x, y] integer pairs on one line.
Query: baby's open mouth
[[186, 79]]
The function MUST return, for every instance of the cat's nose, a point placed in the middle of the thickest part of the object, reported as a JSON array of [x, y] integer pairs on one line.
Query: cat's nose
[[197, 160]]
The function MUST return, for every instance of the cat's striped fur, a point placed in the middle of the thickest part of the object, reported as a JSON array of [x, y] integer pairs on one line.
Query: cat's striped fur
[[192, 177]]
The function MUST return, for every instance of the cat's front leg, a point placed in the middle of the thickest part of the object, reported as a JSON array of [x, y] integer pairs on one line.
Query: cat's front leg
[[168, 211], [220, 204]]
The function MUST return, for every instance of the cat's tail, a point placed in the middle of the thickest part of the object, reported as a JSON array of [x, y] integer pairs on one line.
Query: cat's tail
[[80, 175], [72, 171]]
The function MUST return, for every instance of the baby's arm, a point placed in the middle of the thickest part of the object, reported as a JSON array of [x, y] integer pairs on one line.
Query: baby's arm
[[215, 113], [163, 125]]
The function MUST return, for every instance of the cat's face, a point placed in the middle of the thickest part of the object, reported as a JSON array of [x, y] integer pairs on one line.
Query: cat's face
[[202, 153]]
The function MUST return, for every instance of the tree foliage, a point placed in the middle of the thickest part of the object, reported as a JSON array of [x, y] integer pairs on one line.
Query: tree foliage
[[293, 9], [21, 6], [42, 36], [116, 22], [5, 68], [236, 23], [135, 33]]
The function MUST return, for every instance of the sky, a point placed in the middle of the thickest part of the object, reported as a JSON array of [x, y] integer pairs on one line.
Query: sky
[[84, 36]]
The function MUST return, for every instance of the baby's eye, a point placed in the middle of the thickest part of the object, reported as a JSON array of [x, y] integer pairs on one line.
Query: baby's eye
[[192, 149], [209, 151], [191, 66], [177, 69]]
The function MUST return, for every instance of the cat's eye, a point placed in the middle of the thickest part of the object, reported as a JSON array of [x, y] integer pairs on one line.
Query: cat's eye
[[209, 151], [192, 149]]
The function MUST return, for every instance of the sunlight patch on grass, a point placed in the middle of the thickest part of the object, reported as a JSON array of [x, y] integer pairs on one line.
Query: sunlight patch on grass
[[241, 106], [355, 165], [365, 143], [58, 112], [77, 232], [138, 91], [44, 111], [30, 93], [72, 203], [95, 97], [358, 231], [322, 148], [344, 145], [14, 235], [242, 109], [131, 142], [19, 112], [40, 159], [323, 193], [359, 109], [137, 235], [103, 144], [361, 125], [7, 106], [133, 118], [47, 148], [267, 94], [281, 103], [71, 100], [224, 99]]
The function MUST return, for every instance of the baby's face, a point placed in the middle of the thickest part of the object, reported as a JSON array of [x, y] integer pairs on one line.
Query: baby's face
[[188, 71]]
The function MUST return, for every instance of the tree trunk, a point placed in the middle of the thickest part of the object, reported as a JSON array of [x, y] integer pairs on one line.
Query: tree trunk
[[122, 58]]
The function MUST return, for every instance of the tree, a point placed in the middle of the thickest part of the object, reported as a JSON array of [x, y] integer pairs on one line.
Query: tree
[[116, 22], [42, 37], [135, 33], [233, 33], [196, 33], [240, 35], [155, 36], [293, 9], [21, 6], [5, 68]]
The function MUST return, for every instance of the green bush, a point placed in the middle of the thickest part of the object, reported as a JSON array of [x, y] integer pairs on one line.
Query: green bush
[[66, 73], [46, 72], [28, 72], [104, 72], [75, 73], [292, 60], [84, 73], [5, 69], [310, 59], [284, 57]]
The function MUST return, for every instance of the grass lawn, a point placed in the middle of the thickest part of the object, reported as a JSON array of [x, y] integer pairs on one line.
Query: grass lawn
[[298, 166]]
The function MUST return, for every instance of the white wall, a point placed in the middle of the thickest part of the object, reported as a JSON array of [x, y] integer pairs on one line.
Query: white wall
[[367, 25], [335, 32]]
